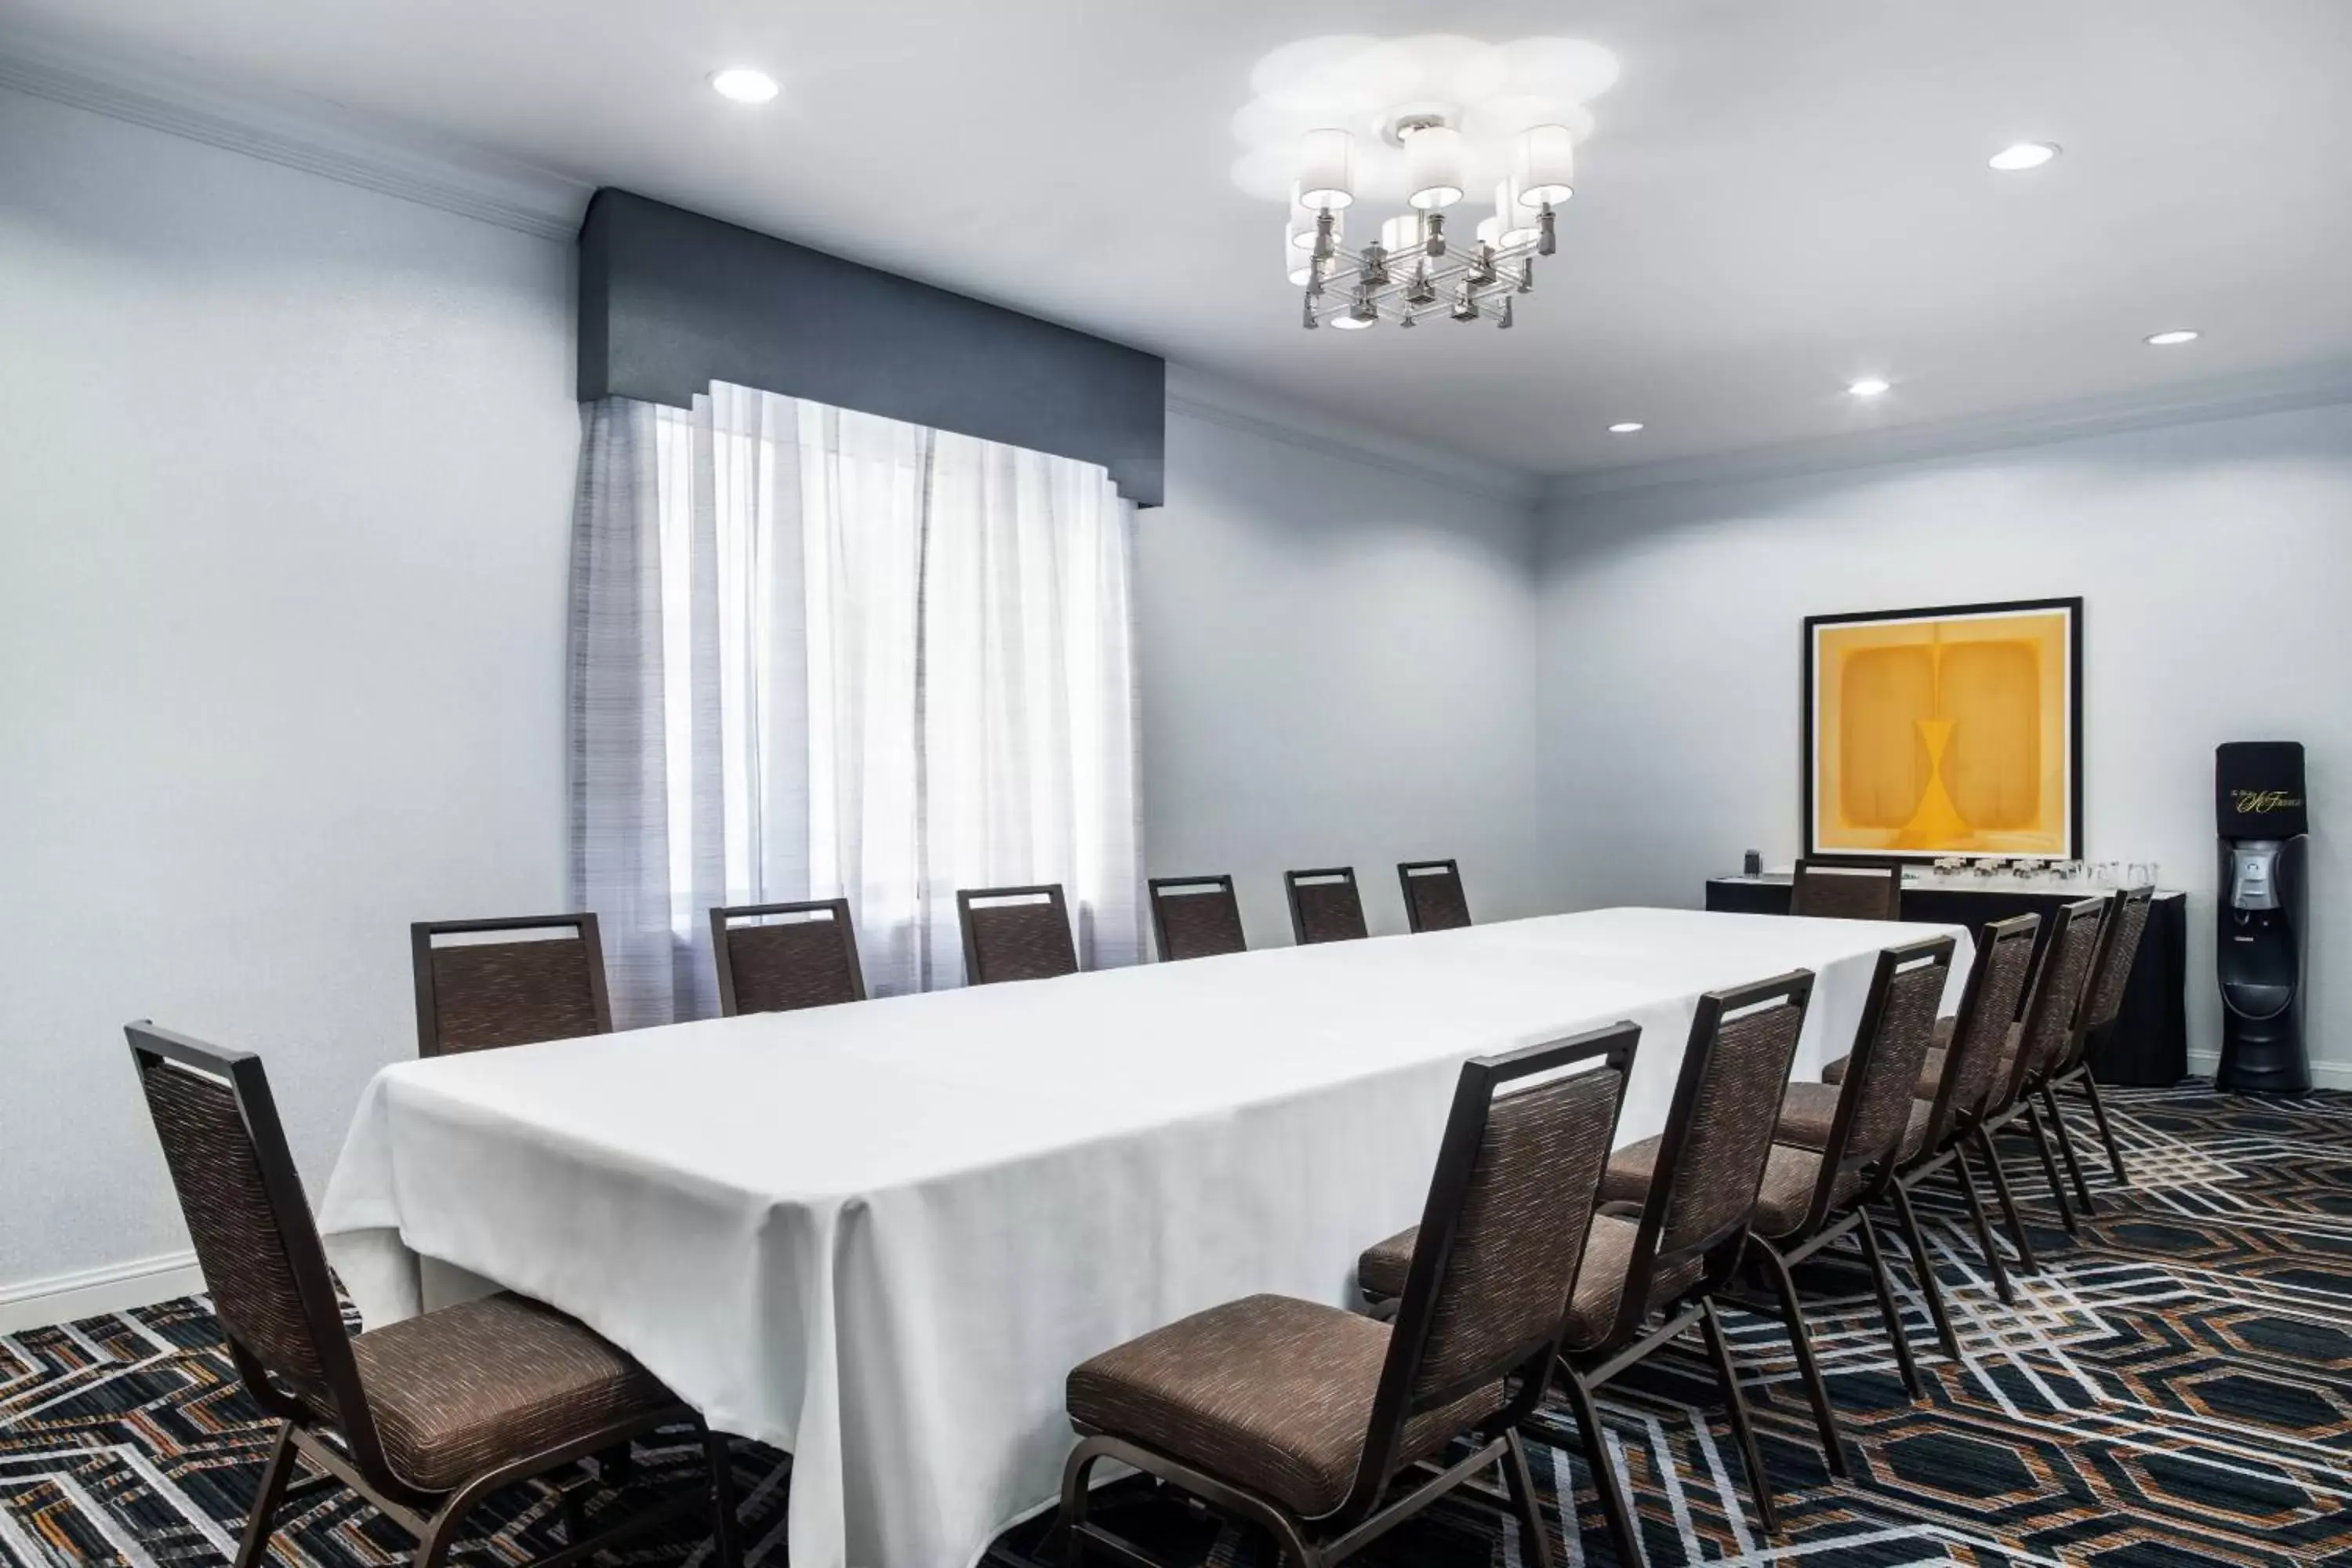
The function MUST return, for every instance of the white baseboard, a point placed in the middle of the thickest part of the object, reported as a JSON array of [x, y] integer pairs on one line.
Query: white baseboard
[[2323, 1075], [65, 1298]]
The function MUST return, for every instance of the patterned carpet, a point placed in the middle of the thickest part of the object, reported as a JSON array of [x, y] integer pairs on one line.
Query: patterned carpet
[[2175, 1390]]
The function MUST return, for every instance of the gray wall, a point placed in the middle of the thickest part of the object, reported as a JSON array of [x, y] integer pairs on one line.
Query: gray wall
[[2214, 560], [286, 476], [1336, 667]]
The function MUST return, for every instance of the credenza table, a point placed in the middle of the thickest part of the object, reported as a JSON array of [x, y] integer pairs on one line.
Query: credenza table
[[878, 1235], [2150, 1044]]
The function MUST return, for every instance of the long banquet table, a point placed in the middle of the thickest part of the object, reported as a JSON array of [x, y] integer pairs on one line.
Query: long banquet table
[[878, 1235]]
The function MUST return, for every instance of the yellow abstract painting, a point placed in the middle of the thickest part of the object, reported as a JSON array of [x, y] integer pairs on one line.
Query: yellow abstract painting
[[1945, 732]]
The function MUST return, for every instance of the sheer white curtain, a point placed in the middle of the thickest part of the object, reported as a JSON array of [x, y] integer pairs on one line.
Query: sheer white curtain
[[817, 653]]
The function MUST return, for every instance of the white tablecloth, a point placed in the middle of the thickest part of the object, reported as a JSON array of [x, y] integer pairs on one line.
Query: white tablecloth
[[880, 1234]]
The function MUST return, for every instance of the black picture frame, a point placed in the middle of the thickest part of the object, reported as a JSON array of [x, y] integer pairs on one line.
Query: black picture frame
[[1808, 748]]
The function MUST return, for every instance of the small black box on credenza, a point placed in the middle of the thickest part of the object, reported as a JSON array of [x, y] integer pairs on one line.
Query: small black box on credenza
[[2258, 790]]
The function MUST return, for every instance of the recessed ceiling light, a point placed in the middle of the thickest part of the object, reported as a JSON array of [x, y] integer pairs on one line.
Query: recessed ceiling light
[[1624, 428], [744, 85], [2177, 335], [1868, 386], [2023, 156]]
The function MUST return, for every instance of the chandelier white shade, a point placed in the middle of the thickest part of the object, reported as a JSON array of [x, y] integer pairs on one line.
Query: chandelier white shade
[[1427, 124], [1416, 268], [1433, 167], [1546, 172], [1327, 165]]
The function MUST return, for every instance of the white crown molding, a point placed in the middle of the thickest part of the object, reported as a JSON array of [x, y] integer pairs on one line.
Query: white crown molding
[[300, 132], [2230, 398], [1197, 395], [92, 1292]]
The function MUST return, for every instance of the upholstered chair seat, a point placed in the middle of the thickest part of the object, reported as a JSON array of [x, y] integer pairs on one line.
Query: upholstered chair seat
[[1946, 1027], [1647, 1273], [1810, 1194], [1271, 1392], [1307, 1421], [1807, 1110], [1600, 1283], [1931, 1069], [476, 1386], [1790, 1175], [424, 1418]]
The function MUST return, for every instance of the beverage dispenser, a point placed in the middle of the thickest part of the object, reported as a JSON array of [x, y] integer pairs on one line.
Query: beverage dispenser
[[2260, 948]]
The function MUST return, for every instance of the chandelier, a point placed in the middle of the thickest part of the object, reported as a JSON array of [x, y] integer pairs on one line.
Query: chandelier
[[1429, 124], [1415, 267]]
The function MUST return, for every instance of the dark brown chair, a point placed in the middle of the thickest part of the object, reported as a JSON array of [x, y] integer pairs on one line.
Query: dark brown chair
[[423, 1418], [1196, 916], [777, 958], [1433, 899], [2052, 1030], [1324, 905], [1964, 1071], [1015, 934], [1848, 889], [476, 995], [1831, 1144], [1685, 1242], [1329, 1428], [2119, 941]]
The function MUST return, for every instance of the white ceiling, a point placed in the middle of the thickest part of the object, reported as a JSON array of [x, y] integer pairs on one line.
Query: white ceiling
[[1782, 195]]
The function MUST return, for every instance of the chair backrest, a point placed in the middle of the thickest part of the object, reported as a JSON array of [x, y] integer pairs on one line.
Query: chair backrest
[[775, 958], [474, 995], [1324, 905], [1848, 889], [1433, 899], [2062, 982], [1718, 1134], [1196, 916], [1015, 934], [2119, 940], [2004, 963], [1502, 1234], [1891, 1044], [255, 1242]]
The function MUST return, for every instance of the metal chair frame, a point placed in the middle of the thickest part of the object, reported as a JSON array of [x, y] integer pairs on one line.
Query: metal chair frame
[[1827, 1220], [1945, 1143], [1368, 1512], [1582, 1371], [1291, 882], [433, 1518], [2015, 1109], [1410, 872], [2129, 907], [968, 917], [1856, 867], [1163, 887], [725, 917], [420, 938]]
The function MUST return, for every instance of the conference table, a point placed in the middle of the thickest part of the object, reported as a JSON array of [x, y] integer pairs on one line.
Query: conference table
[[878, 1235]]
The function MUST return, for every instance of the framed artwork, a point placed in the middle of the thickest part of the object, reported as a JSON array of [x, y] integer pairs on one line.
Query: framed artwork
[[1951, 730]]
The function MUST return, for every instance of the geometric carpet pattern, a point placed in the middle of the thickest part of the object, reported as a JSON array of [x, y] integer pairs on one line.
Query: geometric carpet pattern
[[2174, 1388]]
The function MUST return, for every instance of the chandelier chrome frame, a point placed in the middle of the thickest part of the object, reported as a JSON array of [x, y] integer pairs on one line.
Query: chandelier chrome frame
[[1412, 269], [1360, 288]]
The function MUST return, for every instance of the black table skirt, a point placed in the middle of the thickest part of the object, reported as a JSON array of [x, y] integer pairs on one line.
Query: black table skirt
[[2150, 1042]]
